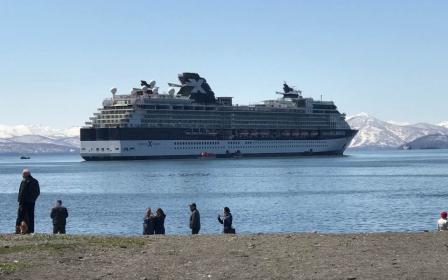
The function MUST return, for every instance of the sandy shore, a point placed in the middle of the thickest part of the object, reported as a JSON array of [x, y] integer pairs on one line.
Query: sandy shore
[[279, 256]]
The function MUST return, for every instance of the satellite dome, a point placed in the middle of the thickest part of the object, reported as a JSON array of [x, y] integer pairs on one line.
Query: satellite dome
[[171, 91], [152, 84], [113, 90]]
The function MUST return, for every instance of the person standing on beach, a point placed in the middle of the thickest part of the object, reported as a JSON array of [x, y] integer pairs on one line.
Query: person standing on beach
[[226, 220], [442, 223], [159, 222], [29, 191], [59, 216], [148, 223], [195, 219]]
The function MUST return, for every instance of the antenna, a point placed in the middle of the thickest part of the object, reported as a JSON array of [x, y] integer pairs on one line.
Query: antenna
[[321, 97]]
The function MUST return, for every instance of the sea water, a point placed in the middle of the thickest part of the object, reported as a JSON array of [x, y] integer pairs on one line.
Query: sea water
[[363, 191]]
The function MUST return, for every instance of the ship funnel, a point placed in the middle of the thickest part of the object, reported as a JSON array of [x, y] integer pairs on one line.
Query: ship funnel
[[196, 88]]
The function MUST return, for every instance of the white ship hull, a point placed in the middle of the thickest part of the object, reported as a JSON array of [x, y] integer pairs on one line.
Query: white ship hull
[[147, 149]]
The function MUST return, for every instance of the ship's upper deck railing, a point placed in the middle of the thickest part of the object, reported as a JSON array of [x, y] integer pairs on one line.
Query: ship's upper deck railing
[[186, 105]]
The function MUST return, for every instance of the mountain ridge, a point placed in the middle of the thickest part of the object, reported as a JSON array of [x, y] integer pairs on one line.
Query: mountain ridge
[[34, 139], [377, 134], [8, 131], [373, 133], [432, 141]]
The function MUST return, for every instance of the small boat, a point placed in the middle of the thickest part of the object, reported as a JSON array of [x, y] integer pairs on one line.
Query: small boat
[[206, 155], [25, 157]]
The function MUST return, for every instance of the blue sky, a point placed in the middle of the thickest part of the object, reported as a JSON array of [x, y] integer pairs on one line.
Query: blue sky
[[58, 59]]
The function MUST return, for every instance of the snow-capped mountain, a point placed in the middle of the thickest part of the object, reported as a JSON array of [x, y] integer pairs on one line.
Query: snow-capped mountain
[[444, 124], [428, 142], [21, 130], [38, 139], [374, 133]]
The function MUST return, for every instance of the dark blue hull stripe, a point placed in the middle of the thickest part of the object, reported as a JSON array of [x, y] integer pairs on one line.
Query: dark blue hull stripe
[[118, 134]]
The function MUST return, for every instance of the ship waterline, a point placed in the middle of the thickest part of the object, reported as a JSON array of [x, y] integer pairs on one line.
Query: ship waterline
[[153, 149], [192, 122]]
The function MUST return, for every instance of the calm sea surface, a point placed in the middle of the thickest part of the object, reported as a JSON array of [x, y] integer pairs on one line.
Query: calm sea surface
[[361, 191]]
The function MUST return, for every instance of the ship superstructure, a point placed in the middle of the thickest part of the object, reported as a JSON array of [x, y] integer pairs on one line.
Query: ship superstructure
[[189, 120]]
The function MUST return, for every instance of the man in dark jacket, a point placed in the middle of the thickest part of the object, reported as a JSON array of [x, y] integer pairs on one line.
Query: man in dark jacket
[[28, 193], [59, 216], [195, 219]]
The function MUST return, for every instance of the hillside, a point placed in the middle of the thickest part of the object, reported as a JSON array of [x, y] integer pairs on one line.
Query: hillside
[[22, 139], [377, 134], [428, 142]]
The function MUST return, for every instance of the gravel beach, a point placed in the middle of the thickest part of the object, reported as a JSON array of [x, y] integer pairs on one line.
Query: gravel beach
[[265, 256]]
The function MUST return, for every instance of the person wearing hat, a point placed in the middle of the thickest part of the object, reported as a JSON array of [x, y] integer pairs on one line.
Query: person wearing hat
[[442, 223], [59, 216], [195, 219]]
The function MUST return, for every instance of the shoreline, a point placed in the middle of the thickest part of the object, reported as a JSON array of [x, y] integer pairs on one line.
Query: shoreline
[[391, 255]]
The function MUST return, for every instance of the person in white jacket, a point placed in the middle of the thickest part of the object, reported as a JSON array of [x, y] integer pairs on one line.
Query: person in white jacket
[[442, 223]]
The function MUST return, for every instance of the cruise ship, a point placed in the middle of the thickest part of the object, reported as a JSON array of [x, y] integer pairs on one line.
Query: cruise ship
[[188, 121]]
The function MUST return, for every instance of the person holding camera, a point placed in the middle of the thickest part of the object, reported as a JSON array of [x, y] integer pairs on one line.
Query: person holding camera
[[226, 220]]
